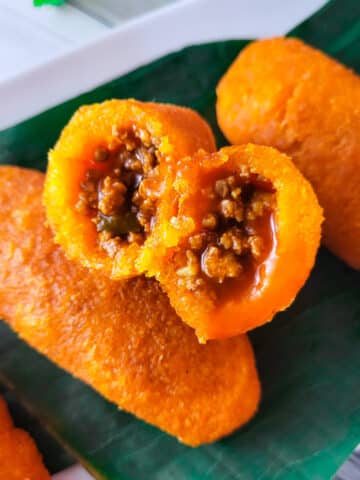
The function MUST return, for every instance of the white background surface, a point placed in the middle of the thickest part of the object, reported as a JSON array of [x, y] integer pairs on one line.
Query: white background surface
[[49, 55], [30, 36]]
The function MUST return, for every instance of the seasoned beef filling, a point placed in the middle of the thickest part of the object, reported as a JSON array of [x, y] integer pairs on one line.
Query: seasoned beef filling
[[119, 195], [232, 236]]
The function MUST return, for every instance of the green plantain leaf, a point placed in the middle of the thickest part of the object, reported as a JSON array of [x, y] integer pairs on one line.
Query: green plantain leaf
[[308, 357]]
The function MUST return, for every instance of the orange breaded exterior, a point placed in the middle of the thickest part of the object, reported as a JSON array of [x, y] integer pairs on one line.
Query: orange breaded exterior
[[297, 225], [181, 131], [124, 339], [284, 93], [19, 457]]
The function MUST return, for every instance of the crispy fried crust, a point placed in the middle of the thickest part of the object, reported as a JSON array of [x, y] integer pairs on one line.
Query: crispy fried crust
[[179, 130], [19, 457], [122, 338], [286, 94], [297, 225]]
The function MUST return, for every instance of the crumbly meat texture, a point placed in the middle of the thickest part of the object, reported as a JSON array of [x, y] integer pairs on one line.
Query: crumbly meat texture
[[120, 198], [123, 338], [229, 242], [19, 457]]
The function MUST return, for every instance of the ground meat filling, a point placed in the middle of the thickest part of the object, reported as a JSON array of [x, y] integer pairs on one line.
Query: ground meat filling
[[232, 237], [119, 195]]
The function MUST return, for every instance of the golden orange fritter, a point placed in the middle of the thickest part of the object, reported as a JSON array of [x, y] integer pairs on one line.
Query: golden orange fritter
[[122, 338], [105, 178], [19, 457], [286, 94], [240, 229]]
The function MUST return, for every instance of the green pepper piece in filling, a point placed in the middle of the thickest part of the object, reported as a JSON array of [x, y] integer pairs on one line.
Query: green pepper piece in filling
[[119, 224]]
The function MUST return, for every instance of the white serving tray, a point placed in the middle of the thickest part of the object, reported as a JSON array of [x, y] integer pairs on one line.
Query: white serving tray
[[109, 53]]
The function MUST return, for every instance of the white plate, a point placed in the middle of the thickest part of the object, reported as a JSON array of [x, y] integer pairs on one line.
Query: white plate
[[136, 43]]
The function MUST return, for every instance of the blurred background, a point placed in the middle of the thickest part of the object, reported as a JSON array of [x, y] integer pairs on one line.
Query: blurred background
[[29, 35]]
